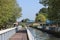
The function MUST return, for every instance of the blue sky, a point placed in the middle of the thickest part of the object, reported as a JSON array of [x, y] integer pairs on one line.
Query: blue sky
[[29, 8]]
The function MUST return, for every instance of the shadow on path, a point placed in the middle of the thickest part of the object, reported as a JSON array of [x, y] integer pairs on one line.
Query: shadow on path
[[22, 31]]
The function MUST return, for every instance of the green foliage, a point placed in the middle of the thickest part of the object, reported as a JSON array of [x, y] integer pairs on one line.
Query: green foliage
[[44, 2], [25, 20], [42, 15], [40, 18], [23, 25], [43, 10], [53, 9], [9, 12]]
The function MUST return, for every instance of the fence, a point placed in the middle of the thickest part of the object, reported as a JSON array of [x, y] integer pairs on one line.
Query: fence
[[6, 34]]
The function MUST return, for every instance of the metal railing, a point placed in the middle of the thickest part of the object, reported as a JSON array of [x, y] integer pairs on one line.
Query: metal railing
[[6, 34]]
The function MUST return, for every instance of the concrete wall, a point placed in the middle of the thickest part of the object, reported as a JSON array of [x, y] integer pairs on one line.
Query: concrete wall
[[30, 36]]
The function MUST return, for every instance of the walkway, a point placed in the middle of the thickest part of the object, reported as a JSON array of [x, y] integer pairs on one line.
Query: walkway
[[20, 35]]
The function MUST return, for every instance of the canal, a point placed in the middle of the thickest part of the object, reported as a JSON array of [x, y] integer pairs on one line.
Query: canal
[[39, 35]]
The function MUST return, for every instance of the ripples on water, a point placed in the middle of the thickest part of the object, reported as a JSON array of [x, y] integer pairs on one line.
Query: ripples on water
[[39, 35]]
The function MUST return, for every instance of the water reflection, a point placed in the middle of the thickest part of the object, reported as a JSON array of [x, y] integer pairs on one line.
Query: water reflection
[[39, 35]]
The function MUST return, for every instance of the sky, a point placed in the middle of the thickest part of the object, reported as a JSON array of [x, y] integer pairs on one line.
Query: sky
[[29, 8]]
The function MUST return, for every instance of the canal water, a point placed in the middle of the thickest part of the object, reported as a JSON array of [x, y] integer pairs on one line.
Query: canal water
[[39, 35]]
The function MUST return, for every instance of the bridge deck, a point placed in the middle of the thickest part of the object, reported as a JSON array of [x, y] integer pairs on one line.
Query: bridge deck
[[20, 35]]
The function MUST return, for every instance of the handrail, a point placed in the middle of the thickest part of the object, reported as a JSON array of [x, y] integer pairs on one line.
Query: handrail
[[6, 30], [7, 33]]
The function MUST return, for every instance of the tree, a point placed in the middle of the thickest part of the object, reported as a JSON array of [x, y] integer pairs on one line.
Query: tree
[[53, 9], [9, 12], [42, 15], [25, 20], [43, 10], [44, 2], [40, 18]]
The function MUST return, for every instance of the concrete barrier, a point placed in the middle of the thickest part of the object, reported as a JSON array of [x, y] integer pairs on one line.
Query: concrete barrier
[[30, 36]]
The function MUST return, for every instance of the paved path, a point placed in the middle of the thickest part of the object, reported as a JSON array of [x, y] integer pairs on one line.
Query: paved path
[[21, 35]]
